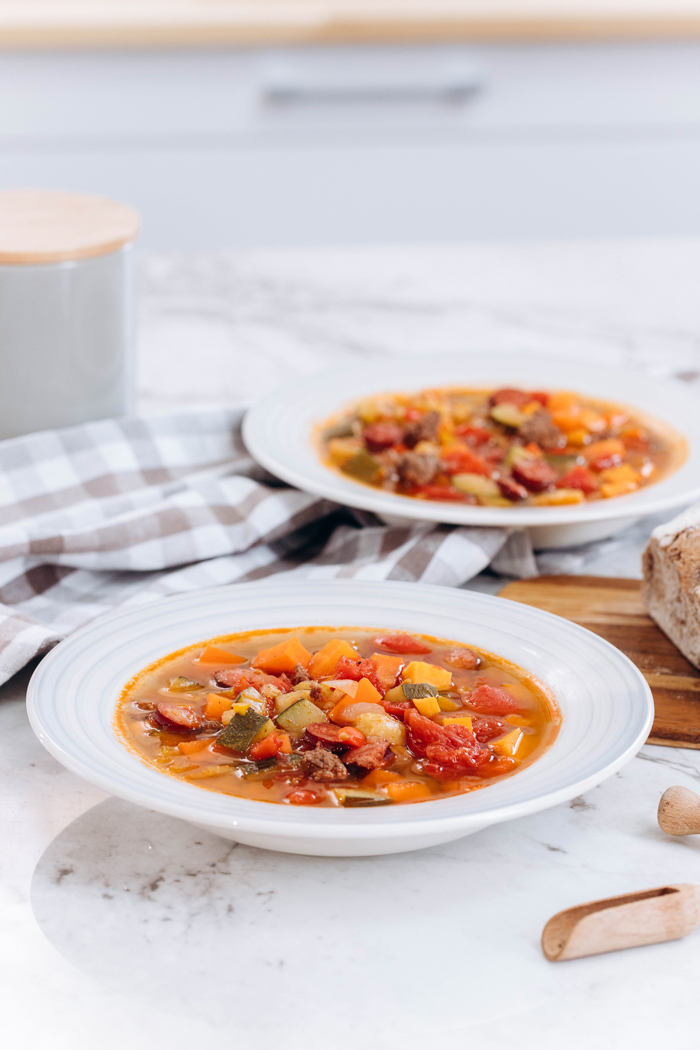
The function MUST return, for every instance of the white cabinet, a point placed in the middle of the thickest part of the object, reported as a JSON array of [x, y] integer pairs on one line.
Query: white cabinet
[[348, 145]]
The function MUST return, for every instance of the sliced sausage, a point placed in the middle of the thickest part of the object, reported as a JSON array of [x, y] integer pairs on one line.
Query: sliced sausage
[[466, 659], [379, 436], [535, 474], [325, 734], [178, 717], [511, 489]]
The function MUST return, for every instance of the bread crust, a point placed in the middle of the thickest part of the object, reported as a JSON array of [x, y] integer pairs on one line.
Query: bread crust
[[671, 587]]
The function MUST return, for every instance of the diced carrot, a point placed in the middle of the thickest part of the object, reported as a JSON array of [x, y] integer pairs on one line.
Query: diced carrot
[[568, 421], [561, 401], [215, 706], [351, 736], [286, 746], [578, 438], [407, 790], [366, 693], [379, 776], [419, 671], [212, 654], [607, 453], [322, 663], [388, 668], [282, 657], [190, 747], [592, 420]]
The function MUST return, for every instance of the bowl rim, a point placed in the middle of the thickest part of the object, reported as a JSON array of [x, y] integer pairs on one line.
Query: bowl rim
[[272, 819], [296, 460]]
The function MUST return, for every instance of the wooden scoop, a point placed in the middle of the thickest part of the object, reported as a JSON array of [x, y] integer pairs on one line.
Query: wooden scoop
[[648, 917], [679, 812]]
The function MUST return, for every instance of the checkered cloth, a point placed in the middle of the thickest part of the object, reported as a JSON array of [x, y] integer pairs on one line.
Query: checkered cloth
[[120, 512]]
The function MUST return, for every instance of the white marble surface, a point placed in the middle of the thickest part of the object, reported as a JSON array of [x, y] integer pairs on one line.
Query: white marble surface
[[124, 928]]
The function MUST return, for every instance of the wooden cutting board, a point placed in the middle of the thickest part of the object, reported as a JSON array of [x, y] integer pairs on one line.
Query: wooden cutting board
[[613, 609]]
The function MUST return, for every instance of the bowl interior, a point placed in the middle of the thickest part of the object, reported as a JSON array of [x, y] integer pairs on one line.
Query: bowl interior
[[280, 431], [605, 702]]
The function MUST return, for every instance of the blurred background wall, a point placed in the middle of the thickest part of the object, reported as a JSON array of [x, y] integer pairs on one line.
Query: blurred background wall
[[345, 143]]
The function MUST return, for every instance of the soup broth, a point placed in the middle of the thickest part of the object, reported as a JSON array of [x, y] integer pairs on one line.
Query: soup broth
[[499, 448], [329, 716]]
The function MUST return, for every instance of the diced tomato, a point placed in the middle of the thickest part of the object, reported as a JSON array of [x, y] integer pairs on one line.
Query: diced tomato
[[422, 732], [449, 751], [535, 474], [445, 763], [444, 492], [271, 745], [485, 729], [578, 478], [397, 708], [378, 436], [492, 700], [412, 414], [356, 670], [539, 395], [302, 797], [511, 397], [401, 643], [498, 766], [475, 435], [177, 716], [459, 459], [237, 679]]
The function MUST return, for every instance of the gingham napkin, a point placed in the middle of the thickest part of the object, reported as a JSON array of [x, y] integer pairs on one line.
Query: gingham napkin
[[120, 512]]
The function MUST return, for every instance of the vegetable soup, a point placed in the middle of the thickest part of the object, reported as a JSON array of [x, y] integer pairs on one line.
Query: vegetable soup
[[322, 716], [499, 448]]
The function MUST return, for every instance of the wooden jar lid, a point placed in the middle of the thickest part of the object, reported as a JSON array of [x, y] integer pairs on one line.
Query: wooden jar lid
[[51, 226]]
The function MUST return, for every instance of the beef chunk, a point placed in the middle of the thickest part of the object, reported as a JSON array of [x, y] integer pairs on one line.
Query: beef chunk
[[299, 674], [320, 764], [417, 468], [317, 694], [366, 757], [540, 429], [423, 429]]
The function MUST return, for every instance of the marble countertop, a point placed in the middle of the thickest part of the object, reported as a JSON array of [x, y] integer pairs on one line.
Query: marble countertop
[[121, 927]]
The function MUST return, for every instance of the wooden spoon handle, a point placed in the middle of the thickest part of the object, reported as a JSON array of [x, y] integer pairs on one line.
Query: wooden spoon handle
[[665, 913], [679, 811]]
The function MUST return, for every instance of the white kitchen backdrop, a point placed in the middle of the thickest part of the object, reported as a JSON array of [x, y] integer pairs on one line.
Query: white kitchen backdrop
[[227, 148]]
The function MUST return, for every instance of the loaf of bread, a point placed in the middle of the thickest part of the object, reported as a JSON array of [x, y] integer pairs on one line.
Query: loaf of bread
[[671, 588]]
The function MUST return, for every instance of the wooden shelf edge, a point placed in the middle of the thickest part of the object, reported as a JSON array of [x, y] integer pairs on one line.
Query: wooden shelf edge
[[16, 34]]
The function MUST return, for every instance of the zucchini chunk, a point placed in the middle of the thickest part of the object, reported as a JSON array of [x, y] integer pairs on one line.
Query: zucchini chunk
[[183, 685], [257, 770], [417, 690], [242, 730], [351, 798], [301, 714], [362, 466]]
